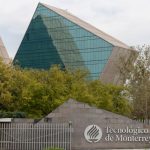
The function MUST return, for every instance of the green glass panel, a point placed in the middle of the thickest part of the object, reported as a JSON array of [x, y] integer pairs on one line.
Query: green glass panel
[[52, 39]]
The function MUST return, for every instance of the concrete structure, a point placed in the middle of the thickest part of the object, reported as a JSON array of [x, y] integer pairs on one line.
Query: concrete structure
[[3, 52], [55, 36], [82, 115], [5, 120]]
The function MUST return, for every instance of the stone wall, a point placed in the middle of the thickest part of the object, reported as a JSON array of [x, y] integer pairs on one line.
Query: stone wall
[[81, 115], [111, 72]]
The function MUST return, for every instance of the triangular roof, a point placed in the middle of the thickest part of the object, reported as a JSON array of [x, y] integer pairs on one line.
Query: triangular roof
[[3, 52], [82, 108], [88, 27]]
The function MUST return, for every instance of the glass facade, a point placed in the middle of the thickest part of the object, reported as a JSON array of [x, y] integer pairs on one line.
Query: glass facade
[[52, 39]]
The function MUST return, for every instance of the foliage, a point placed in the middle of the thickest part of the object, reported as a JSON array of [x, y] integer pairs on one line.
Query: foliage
[[12, 114], [138, 82], [38, 92]]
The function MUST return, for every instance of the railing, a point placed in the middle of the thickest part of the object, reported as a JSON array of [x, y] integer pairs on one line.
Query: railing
[[144, 121], [35, 136]]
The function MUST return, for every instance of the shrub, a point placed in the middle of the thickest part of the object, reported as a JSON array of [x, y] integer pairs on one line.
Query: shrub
[[12, 114]]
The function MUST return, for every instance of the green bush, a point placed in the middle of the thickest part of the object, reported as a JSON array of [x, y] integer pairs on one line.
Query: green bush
[[39, 92], [4, 114]]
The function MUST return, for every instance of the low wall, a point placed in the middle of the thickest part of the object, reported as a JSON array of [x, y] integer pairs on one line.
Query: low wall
[[82, 115]]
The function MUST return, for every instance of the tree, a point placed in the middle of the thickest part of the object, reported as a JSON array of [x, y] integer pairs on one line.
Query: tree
[[5, 77], [38, 92], [137, 77]]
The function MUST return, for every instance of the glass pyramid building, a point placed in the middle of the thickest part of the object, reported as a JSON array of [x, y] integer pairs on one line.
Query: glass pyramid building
[[55, 36]]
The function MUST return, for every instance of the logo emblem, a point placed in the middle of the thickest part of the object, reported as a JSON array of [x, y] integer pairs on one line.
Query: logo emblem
[[93, 133]]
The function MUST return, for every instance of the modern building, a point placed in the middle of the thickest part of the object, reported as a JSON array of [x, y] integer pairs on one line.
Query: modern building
[[3, 52], [55, 36]]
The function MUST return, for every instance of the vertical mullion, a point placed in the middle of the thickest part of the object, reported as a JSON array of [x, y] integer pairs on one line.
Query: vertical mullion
[[25, 137], [22, 141], [6, 135], [45, 135], [21, 132], [34, 132], [63, 136], [70, 133], [56, 136], [50, 135], [32, 136], [3, 137]]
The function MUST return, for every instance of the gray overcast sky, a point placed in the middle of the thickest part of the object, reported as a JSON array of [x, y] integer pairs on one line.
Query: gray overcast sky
[[127, 20]]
